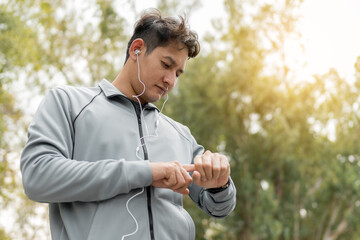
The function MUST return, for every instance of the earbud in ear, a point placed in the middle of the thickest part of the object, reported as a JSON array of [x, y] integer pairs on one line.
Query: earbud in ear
[[137, 51]]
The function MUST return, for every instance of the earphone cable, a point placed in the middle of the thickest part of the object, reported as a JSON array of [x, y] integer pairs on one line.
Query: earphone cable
[[127, 208]]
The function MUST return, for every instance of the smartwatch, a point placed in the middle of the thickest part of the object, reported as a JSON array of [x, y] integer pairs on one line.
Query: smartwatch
[[219, 189]]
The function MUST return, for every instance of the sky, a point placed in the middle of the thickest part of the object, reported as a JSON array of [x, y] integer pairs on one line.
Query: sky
[[330, 32]]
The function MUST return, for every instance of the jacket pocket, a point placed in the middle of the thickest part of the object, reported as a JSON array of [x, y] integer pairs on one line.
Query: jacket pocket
[[190, 222], [172, 220]]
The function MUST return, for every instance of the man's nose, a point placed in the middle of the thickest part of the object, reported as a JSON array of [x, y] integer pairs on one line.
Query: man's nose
[[170, 79]]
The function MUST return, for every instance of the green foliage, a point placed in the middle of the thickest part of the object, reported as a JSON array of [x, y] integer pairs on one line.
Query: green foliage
[[40, 42], [16, 49], [295, 178], [294, 147], [3, 235]]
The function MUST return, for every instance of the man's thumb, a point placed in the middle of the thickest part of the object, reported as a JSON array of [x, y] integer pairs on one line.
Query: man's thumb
[[196, 177]]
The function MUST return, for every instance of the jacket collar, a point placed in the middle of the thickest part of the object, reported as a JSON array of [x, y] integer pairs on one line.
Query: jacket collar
[[111, 91]]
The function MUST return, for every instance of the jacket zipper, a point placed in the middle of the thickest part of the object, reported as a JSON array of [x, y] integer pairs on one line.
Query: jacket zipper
[[148, 189]]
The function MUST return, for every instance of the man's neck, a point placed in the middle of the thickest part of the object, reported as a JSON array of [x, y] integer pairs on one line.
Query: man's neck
[[123, 81]]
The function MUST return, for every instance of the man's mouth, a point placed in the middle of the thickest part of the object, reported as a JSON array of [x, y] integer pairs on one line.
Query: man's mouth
[[163, 89]]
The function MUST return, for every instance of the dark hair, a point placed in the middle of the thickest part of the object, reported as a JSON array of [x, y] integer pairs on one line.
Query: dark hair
[[157, 31]]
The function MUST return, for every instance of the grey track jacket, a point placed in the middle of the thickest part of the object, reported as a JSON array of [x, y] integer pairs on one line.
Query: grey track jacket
[[88, 153]]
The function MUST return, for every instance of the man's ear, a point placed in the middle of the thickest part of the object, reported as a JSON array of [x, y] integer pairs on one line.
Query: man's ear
[[138, 45]]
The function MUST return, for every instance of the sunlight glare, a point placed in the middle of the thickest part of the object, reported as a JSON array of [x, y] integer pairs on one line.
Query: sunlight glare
[[330, 35]]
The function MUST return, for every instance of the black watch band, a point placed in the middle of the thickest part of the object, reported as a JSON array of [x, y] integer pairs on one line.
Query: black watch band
[[219, 189]]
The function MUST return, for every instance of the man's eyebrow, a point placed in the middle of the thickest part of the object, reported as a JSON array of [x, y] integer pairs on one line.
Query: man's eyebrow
[[173, 62]]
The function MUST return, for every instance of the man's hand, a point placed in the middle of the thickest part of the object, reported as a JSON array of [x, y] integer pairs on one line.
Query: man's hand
[[170, 175], [211, 170]]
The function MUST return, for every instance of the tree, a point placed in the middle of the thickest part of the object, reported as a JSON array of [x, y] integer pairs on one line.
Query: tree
[[296, 177], [15, 52], [41, 45]]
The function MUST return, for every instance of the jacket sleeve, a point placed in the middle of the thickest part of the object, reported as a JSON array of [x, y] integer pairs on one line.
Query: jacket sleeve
[[50, 175], [219, 204]]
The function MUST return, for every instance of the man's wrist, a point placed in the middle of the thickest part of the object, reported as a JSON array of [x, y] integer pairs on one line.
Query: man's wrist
[[219, 189]]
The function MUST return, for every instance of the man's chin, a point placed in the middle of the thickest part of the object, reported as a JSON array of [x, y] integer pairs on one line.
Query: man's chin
[[155, 99]]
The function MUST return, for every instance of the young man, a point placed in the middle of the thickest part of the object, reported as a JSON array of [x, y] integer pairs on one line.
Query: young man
[[110, 164]]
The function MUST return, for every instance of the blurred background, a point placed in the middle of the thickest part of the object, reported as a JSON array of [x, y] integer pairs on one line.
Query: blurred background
[[275, 88]]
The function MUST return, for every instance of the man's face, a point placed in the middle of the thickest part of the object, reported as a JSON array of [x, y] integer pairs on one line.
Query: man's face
[[159, 71]]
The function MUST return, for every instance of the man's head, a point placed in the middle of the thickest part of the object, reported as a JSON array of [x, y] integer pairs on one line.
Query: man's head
[[157, 31], [156, 56]]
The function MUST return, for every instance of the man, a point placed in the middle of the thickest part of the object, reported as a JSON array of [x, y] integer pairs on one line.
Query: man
[[110, 164]]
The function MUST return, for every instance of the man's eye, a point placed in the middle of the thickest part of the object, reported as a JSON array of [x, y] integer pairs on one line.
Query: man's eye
[[165, 65]]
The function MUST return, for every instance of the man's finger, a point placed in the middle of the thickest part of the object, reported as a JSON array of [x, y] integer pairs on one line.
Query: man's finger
[[196, 177], [216, 167], [207, 167], [189, 167], [171, 181], [198, 163], [182, 191]]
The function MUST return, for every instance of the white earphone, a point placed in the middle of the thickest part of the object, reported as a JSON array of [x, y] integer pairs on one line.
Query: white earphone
[[157, 122]]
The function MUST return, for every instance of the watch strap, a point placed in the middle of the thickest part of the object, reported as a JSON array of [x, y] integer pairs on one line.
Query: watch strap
[[219, 189]]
